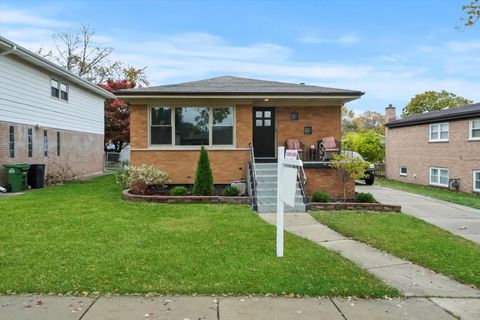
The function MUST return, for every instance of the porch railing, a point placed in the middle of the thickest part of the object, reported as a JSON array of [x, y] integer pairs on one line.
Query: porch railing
[[302, 180], [253, 183]]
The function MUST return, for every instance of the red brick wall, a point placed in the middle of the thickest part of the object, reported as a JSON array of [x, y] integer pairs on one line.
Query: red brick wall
[[410, 147], [327, 180]]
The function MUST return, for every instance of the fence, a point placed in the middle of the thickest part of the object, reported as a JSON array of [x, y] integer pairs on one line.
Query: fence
[[380, 169], [113, 162]]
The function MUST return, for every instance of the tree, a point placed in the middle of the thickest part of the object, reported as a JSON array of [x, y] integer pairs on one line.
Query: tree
[[432, 101], [117, 115], [369, 144], [78, 53], [203, 185], [348, 169], [472, 10], [347, 117], [369, 120]]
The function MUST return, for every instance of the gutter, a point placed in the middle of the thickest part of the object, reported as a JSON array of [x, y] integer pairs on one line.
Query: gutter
[[239, 96], [50, 66]]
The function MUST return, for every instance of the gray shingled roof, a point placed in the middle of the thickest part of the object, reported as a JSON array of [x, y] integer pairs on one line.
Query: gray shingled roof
[[229, 85], [463, 112]]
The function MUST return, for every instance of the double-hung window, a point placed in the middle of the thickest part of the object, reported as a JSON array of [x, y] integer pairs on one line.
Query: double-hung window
[[476, 181], [474, 129], [191, 126], [439, 177], [59, 89], [439, 132]]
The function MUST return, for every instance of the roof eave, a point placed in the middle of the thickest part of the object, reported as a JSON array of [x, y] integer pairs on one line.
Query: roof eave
[[433, 120]]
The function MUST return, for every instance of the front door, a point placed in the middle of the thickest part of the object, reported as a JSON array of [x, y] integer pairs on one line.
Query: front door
[[264, 132]]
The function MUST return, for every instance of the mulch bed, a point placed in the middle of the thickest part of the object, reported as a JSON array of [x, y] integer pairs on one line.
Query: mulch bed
[[127, 195]]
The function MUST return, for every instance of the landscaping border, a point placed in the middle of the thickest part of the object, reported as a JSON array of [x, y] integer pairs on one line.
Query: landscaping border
[[331, 206], [126, 195]]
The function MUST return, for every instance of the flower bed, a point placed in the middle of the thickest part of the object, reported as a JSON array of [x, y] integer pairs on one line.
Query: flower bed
[[330, 206], [127, 195]]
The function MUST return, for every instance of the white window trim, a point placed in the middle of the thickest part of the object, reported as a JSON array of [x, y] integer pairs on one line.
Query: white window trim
[[470, 130], [210, 146], [401, 173], [438, 184], [473, 181], [439, 132]]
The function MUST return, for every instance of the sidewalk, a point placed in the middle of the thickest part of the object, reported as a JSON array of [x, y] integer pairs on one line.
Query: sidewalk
[[460, 220], [412, 280], [205, 308]]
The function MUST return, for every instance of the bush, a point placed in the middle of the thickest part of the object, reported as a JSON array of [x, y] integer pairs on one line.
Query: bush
[[178, 191], [203, 185], [365, 197], [320, 197], [139, 179], [231, 191]]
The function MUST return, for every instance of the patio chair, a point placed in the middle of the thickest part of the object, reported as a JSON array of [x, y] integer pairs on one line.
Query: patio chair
[[327, 147], [295, 144]]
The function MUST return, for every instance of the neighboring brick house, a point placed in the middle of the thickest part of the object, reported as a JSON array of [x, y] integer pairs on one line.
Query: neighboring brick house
[[435, 147], [226, 114], [48, 115]]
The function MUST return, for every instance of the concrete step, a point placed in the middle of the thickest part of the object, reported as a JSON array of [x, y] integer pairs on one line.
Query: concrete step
[[270, 185], [273, 199], [266, 178], [273, 192], [273, 208], [262, 172]]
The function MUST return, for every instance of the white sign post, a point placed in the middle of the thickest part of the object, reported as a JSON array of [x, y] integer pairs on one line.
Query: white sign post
[[286, 189]]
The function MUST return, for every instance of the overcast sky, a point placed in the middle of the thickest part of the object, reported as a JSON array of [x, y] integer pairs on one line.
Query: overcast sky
[[389, 49]]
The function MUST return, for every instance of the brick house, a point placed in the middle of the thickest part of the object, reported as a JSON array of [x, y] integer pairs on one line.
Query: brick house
[[241, 122], [48, 115], [435, 148]]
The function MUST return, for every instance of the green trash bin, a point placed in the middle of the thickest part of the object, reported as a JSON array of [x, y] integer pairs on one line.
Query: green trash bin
[[17, 176]]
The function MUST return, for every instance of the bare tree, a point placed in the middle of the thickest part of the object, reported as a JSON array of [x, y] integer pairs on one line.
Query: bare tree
[[78, 53]]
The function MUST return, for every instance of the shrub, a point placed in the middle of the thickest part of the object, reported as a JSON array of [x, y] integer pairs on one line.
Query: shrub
[[365, 197], [178, 191], [203, 185], [348, 169], [231, 191], [320, 197], [139, 179]]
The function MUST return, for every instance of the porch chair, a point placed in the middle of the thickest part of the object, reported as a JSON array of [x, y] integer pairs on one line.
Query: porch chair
[[328, 146], [295, 144]]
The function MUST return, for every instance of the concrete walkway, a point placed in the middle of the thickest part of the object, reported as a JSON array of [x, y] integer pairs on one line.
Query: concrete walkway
[[410, 279], [457, 219], [228, 308]]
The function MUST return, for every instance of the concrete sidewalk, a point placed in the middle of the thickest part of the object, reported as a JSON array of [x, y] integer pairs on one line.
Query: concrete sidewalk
[[228, 308], [412, 280], [457, 219]]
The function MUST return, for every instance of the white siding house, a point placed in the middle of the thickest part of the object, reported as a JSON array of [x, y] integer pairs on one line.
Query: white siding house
[[60, 127]]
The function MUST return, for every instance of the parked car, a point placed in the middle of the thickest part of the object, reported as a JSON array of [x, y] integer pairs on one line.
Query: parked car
[[369, 173]]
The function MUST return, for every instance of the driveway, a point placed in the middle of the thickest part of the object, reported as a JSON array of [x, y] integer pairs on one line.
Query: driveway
[[458, 219]]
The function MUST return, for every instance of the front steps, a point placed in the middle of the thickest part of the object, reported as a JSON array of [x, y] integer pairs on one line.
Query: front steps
[[266, 197]]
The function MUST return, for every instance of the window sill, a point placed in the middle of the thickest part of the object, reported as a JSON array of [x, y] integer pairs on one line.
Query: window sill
[[438, 141], [402, 175], [439, 185], [474, 140]]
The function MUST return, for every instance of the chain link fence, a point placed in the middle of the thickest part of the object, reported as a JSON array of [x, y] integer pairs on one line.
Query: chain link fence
[[114, 161]]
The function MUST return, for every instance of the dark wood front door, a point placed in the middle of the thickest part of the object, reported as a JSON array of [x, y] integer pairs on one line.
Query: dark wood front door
[[264, 132]]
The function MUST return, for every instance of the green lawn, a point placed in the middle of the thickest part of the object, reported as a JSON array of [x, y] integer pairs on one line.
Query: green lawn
[[82, 238], [410, 238], [466, 199]]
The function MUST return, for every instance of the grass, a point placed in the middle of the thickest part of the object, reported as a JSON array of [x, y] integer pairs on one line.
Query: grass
[[466, 199], [410, 238], [81, 238]]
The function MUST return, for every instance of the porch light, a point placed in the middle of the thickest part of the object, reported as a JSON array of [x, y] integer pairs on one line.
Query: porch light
[[266, 100]]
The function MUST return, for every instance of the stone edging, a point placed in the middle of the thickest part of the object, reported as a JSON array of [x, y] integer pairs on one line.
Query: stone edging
[[329, 206], [126, 195]]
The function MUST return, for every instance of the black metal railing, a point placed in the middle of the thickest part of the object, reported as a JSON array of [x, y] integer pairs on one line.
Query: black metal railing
[[253, 176]]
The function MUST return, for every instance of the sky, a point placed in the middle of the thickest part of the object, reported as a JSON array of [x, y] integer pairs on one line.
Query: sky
[[389, 49]]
